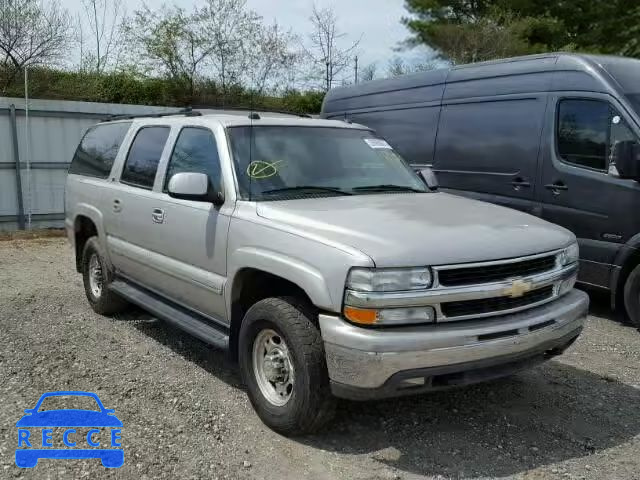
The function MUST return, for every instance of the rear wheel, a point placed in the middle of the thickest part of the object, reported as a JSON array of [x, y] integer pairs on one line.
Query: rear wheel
[[283, 365], [97, 277], [632, 296]]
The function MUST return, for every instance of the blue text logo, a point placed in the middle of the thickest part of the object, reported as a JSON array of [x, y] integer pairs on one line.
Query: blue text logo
[[82, 433]]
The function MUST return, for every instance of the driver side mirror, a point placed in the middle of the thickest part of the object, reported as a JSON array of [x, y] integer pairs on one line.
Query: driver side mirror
[[428, 176], [195, 187], [627, 159]]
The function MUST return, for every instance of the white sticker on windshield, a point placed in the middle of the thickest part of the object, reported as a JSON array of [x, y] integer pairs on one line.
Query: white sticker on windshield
[[378, 143]]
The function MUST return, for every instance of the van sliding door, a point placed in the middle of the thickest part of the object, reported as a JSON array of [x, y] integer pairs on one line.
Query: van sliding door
[[488, 149]]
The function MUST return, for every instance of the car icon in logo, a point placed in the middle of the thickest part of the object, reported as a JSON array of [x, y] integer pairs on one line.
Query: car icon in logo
[[32, 446]]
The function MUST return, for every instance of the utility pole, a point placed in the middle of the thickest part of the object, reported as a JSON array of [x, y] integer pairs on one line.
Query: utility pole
[[356, 74]]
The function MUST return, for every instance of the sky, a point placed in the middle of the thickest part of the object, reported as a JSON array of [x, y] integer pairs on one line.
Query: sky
[[377, 21]]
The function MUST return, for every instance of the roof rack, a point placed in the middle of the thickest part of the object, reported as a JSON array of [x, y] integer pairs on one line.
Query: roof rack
[[254, 109], [187, 112]]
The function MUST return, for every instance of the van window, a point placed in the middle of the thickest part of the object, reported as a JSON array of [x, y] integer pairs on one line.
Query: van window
[[98, 149], [411, 131], [144, 156], [195, 151], [588, 131], [583, 132], [495, 137]]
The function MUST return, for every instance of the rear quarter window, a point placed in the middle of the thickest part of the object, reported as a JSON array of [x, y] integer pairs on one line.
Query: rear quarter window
[[98, 149], [144, 156]]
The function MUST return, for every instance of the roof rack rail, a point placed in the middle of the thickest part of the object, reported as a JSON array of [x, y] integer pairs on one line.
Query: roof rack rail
[[254, 109], [187, 112]]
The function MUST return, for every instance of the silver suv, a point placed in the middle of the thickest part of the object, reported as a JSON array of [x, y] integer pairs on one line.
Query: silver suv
[[312, 253]]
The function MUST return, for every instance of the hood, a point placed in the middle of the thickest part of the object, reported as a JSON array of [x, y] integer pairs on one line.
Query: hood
[[69, 418], [419, 229]]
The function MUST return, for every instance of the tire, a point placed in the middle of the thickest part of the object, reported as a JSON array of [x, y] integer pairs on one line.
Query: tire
[[104, 302], [632, 296], [310, 405]]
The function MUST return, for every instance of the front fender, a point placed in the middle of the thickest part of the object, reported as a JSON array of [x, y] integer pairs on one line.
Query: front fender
[[295, 270]]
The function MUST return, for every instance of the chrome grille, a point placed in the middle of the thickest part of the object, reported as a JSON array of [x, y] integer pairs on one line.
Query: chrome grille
[[479, 290], [455, 277], [495, 304]]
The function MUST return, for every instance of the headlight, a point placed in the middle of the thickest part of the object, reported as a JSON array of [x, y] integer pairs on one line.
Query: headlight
[[570, 255], [389, 279], [567, 285]]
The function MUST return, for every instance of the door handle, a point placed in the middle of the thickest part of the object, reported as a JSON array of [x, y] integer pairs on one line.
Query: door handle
[[556, 187], [157, 215], [117, 206], [519, 183]]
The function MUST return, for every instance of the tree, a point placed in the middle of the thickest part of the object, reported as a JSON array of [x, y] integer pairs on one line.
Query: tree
[[396, 67], [230, 30], [270, 57], [328, 58], [31, 34], [473, 30], [101, 47], [170, 42], [369, 72]]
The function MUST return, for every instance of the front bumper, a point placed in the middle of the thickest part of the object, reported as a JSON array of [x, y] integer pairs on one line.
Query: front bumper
[[369, 363]]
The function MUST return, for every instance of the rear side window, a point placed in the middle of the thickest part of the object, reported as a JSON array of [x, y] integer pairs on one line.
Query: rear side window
[[583, 132], [98, 149], [195, 152], [144, 155]]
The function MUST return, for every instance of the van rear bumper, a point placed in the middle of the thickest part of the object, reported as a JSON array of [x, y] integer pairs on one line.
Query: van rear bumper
[[366, 363]]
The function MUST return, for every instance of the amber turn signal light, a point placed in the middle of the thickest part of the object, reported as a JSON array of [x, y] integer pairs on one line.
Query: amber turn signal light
[[362, 316]]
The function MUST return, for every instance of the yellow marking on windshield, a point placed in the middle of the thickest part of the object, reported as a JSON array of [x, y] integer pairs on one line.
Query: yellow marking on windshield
[[260, 169]]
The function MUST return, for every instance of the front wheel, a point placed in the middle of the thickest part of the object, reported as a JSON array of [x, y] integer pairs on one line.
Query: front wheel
[[632, 296], [283, 364]]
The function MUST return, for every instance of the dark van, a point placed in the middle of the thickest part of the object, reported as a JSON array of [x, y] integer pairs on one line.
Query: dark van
[[555, 135]]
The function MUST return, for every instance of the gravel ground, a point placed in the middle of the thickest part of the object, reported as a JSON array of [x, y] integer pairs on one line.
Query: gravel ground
[[186, 415]]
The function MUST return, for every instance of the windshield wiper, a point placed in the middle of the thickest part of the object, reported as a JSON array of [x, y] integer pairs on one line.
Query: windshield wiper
[[387, 188], [307, 187]]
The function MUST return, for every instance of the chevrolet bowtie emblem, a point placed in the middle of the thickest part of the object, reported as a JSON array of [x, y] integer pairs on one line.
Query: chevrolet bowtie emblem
[[518, 288]]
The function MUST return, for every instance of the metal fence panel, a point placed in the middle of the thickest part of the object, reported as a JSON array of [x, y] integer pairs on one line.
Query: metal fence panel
[[46, 143], [8, 194]]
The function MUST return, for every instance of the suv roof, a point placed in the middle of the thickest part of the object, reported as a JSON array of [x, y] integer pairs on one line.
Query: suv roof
[[234, 120]]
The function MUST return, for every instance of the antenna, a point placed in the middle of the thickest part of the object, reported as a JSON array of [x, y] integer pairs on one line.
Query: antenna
[[252, 116]]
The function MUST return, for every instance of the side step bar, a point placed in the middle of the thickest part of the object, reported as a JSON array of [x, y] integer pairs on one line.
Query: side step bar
[[191, 322]]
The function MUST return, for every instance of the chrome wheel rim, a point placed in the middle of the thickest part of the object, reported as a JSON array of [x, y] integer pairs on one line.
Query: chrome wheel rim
[[95, 276], [273, 367]]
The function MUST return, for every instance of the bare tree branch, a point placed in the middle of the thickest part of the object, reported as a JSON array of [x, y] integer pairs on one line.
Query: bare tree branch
[[328, 58], [169, 42], [104, 19], [31, 33], [369, 72]]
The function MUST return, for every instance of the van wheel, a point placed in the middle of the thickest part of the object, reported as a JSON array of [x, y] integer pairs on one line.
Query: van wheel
[[97, 277], [283, 364], [632, 296]]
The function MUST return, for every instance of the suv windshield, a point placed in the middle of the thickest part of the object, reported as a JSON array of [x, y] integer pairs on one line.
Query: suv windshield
[[285, 162]]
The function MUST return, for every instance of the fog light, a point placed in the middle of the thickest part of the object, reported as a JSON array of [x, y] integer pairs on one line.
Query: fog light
[[567, 285]]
